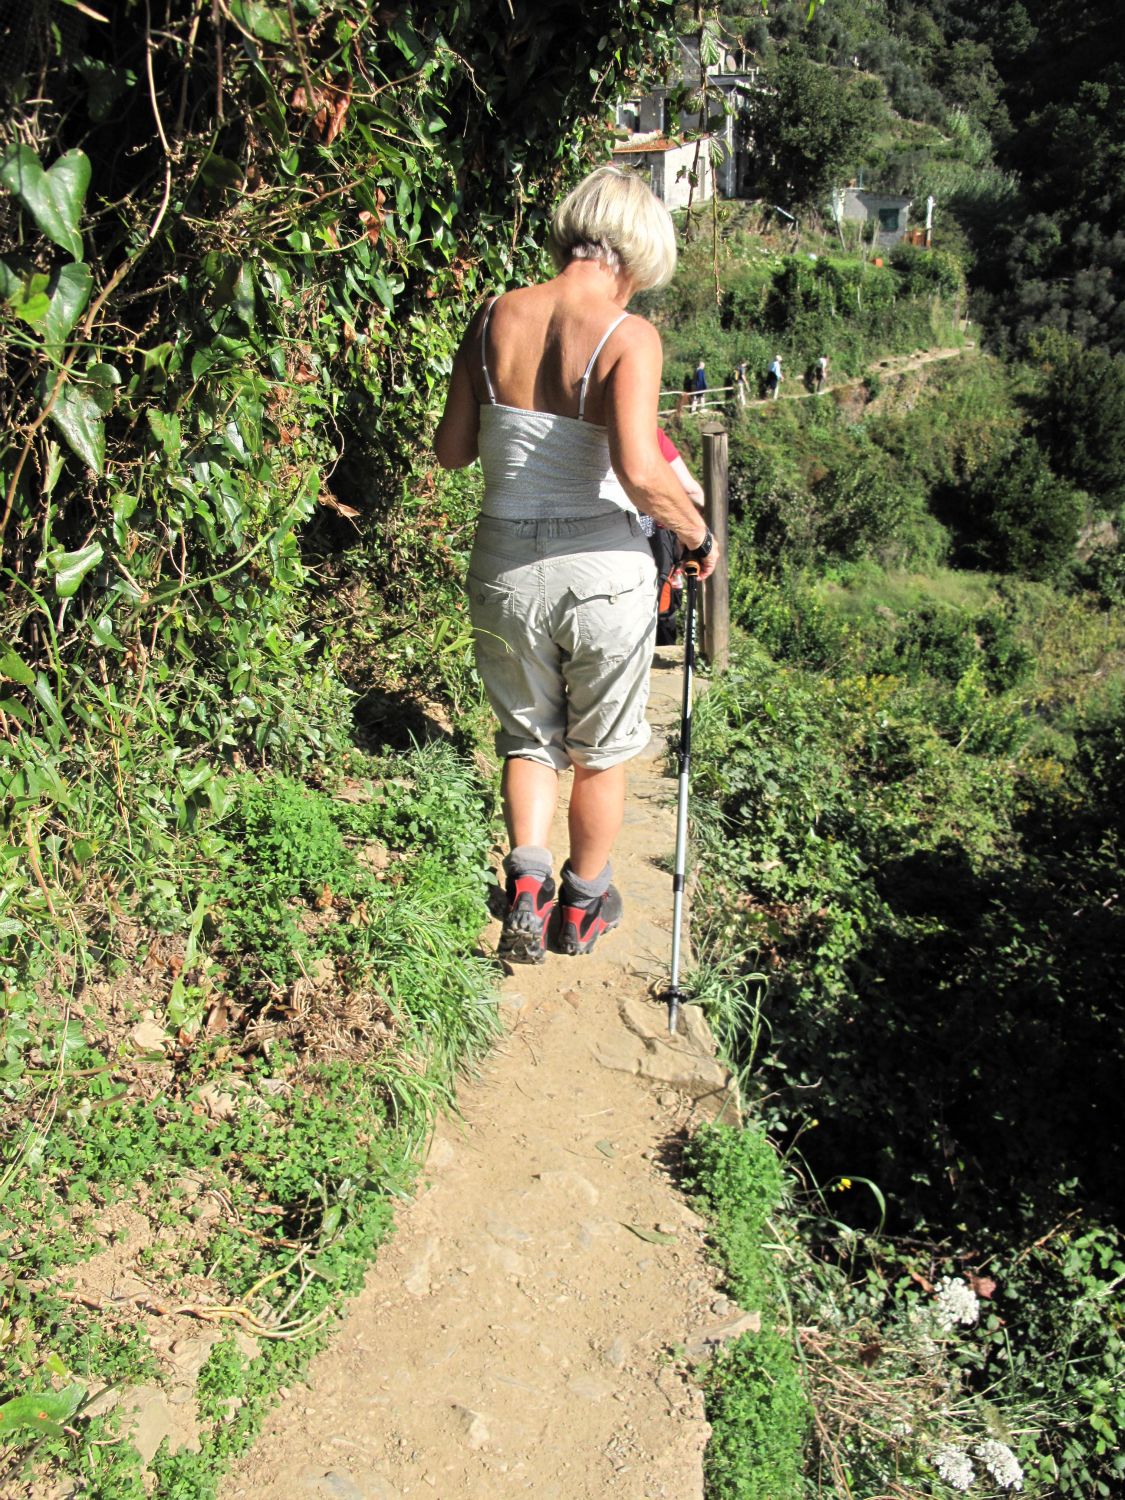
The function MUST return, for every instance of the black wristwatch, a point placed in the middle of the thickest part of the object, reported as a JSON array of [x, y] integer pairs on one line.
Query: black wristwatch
[[697, 554]]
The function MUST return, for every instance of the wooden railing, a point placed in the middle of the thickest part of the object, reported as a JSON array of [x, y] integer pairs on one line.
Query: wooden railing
[[691, 403]]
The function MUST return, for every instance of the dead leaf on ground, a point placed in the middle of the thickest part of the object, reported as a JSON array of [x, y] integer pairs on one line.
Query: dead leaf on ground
[[651, 1236]]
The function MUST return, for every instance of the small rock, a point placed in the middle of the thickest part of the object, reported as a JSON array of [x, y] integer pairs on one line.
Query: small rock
[[474, 1425], [513, 1000], [706, 1343], [721, 1307], [332, 1486], [105, 1400], [618, 1352], [189, 1355], [589, 1388], [501, 1230], [669, 1098], [152, 1419], [568, 1183], [218, 1105], [440, 1154], [205, 1208], [417, 1279], [245, 1343]]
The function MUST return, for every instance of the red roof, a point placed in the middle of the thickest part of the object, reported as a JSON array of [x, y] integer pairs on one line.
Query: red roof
[[660, 143]]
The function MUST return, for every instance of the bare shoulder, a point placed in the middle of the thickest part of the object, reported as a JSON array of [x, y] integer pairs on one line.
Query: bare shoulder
[[637, 340]]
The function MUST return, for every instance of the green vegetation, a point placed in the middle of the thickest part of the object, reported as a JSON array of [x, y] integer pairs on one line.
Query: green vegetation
[[907, 803], [237, 247], [807, 125], [755, 1401], [907, 789], [249, 1146]]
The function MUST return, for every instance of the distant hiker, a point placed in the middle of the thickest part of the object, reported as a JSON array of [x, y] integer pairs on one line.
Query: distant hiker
[[684, 400], [562, 587], [666, 548], [820, 374], [739, 383], [698, 386], [774, 377]]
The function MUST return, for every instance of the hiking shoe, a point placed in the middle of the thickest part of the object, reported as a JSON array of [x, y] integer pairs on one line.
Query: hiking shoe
[[530, 904], [581, 926]]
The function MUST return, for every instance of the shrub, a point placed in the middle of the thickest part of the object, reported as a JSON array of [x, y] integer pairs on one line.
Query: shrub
[[1018, 517], [928, 271], [758, 1415], [1082, 419]]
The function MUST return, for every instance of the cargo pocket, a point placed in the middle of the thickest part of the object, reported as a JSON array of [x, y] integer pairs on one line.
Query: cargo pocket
[[492, 610], [612, 617]]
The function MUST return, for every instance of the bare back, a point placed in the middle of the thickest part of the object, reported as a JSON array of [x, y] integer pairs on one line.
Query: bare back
[[539, 341]]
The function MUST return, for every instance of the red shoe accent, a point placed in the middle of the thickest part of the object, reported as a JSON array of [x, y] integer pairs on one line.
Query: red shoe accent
[[581, 926], [530, 904]]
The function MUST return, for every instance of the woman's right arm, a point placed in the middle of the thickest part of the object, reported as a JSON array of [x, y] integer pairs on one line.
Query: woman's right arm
[[632, 396], [455, 441]]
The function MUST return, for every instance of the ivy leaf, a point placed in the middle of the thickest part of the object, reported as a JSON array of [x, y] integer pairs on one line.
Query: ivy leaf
[[78, 417], [70, 568], [53, 198], [165, 428], [219, 172], [105, 85], [69, 298], [15, 669], [44, 1411], [33, 309], [258, 19]]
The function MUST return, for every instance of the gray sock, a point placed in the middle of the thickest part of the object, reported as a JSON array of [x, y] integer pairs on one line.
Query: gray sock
[[586, 890], [528, 859]]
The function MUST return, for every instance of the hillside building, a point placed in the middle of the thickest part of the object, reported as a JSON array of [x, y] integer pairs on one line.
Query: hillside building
[[662, 141], [856, 205]]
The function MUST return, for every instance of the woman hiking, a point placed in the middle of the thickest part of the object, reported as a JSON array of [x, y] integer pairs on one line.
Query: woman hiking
[[555, 389]]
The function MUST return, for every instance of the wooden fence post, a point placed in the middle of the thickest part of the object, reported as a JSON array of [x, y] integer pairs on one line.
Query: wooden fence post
[[716, 591]]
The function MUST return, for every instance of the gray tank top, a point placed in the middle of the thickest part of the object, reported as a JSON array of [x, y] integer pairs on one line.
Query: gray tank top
[[539, 466]]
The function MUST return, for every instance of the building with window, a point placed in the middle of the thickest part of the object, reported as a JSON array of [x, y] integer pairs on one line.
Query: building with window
[[890, 212]]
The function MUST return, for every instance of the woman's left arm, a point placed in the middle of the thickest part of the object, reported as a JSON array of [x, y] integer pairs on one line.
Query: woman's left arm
[[455, 441]]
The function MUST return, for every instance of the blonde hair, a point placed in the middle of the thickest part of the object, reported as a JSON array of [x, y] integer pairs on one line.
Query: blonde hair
[[613, 216]]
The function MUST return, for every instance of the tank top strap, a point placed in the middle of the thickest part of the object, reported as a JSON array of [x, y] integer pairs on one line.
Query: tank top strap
[[484, 352], [593, 360]]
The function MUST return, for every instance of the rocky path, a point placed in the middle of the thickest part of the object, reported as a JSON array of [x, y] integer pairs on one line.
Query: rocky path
[[527, 1330]]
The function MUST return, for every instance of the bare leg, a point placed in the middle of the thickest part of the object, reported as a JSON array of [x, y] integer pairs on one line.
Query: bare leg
[[530, 792], [597, 810]]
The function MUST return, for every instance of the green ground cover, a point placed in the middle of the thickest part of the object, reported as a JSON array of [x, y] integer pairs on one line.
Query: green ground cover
[[907, 797]]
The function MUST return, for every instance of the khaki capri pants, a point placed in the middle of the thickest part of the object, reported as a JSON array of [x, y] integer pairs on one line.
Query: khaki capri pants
[[564, 621]]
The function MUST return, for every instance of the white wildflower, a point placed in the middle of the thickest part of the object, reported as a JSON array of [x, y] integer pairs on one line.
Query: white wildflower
[[928, 1351], [956, 1303], [954, 1467], [1001, 1463]]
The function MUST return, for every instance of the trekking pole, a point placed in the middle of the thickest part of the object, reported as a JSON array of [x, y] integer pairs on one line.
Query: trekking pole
[[675, 994]]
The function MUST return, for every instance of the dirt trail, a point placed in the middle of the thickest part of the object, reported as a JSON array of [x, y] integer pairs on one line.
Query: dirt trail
[[893, 365], [515, 1336]]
